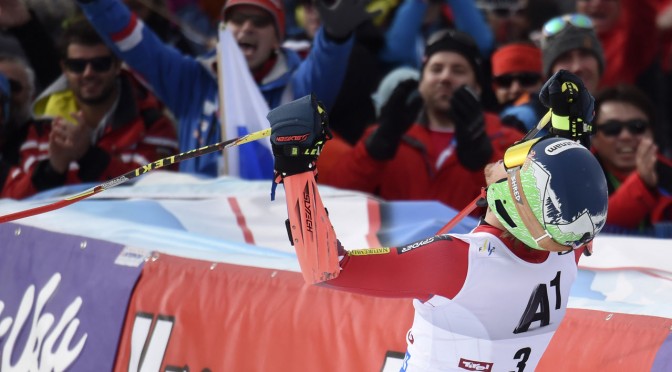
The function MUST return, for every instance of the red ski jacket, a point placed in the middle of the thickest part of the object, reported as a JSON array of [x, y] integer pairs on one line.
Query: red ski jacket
[[410, 175], [138, 133]]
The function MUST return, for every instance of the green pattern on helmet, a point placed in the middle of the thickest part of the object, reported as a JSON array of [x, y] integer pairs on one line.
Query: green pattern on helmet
[[500, 191], [567, 224]]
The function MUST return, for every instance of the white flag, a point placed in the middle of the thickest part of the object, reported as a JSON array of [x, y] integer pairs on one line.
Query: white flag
[[244, 112]]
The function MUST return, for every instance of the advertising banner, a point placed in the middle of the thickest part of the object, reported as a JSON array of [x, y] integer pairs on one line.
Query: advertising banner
[[63, 300]]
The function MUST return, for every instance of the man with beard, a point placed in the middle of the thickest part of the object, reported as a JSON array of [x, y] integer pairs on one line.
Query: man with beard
[[434, 137], [103, 121]]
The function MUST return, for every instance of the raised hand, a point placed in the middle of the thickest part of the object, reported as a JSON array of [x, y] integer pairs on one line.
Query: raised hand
[[396, 116], [341, 17], [298, 132], [645, 158], [571, 103], [474, 148], [68, 142]]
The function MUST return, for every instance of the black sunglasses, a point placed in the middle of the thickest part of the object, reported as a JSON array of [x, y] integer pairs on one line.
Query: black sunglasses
[[259, 21], [525, 79], [507, 12], [98, 64], [613, 128]]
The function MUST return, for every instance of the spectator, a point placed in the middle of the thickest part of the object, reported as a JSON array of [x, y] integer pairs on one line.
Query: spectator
[[105, 123], [479, 298], [624, 146], [14, 130], [516, 73], [628, 34], [507, 19], [451, 140], [35, 41], [189, 86], [568, 43], [7, 158]]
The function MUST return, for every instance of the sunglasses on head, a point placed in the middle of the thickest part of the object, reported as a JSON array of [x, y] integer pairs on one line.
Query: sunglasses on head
[[259, 21], [98, 64], [557, 24], [613, 128], [524, 79]]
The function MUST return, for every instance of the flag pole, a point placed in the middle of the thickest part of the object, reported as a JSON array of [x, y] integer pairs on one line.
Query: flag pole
[[224, 169]]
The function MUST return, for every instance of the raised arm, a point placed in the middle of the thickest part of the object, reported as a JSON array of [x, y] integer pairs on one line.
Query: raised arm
[[177, 80], [298, 131]]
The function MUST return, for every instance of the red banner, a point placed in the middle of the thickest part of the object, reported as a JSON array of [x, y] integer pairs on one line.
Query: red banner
[[188, 313], [220, 317]]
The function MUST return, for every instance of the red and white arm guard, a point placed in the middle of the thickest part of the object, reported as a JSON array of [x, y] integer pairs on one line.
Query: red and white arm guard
[[310, 230]]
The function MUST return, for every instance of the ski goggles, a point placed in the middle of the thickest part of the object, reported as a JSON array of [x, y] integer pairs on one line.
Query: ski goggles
[[515, 155], [557, 24], [98, 64], [613, 128]]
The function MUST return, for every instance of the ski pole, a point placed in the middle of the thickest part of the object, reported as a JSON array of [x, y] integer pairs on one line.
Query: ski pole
[[480, 199], [170, 160]]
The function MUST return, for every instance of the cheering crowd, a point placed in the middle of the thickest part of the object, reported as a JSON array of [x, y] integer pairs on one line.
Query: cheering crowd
[[421, 94]]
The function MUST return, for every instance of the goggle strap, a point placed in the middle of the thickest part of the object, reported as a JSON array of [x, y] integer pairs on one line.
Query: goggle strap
[[546, 235], [544, 240]]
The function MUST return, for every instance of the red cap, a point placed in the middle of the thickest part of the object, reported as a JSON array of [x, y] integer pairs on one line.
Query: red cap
[[516, 58], [274, 7]]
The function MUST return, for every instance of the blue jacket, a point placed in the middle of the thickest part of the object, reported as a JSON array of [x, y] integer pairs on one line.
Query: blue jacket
[[189, 87], [405, 38]]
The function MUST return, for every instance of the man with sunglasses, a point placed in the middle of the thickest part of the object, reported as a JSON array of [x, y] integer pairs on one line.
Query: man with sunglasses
[[102, 121], [636, 173], [568, 43], [431, 133], [489, 300], [516, 78], [189, 86]]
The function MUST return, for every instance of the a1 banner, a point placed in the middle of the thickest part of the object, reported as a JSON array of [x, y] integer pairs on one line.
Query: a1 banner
[[63, 299]]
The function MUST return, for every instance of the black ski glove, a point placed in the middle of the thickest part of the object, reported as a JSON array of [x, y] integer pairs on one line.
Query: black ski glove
[[396, 116], [298, 132], [572, 106], [474, 148], [341, 17]]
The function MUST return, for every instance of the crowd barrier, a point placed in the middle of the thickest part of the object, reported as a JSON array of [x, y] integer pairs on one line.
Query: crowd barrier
[[198, 277]]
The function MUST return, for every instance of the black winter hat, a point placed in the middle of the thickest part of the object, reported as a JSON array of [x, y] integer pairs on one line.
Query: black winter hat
[[459, 42]]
